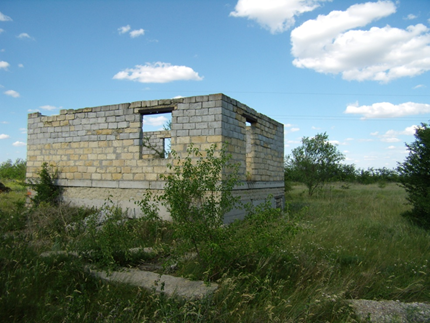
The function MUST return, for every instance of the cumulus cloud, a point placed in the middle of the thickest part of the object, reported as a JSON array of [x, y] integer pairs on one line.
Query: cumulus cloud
[[388, 110], [3, 136], [137, 33], [124, 29], [158, 73], [49, 107], [275, 15], [391, 135], [19, 144], [4, 65], [12, 93], [133, 34], [154, 121], [23, 35], [333, 44], [3, 17], [411, 17]]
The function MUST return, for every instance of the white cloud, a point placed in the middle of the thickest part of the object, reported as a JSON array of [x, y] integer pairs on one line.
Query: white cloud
[[178, 97], [133, 33], [294, 129], [19, 144], [24, 35], [332, 44], [334, 142], [3, 136], [21, 65], [409, 131], [274, 15], [4, 65], [388, 110], [315, 128], [4, 17], [23, 130], [349, 139], [137, 33], [33, 110], [154, 121], [1, 30], [390, 139], [124, 29], [391, 147], [374, 133], [391, 135], [12, 93], [419, 86], [49, 107], [411, 17], [288, 125], [158, 73]]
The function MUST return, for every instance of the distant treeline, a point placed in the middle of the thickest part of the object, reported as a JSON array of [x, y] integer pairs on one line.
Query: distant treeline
[[13, 170], [342, 173], [348, 173]]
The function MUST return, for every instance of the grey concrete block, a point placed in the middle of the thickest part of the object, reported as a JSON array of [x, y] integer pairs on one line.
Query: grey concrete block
[[182, 133]]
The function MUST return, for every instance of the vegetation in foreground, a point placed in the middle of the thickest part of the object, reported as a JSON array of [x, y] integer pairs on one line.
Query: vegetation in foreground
[[351, 243]]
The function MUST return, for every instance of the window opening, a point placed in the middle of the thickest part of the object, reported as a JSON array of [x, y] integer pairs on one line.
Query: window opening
[[156, 134], [156, 122], [249, 123], [167, 147]]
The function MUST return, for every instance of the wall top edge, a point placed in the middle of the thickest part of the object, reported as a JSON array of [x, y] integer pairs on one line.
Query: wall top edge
[[162, 104]]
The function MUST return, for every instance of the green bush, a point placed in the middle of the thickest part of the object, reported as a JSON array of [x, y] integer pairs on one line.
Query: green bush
[[415, 176], [197, 194], [46, 190], [16, 170]]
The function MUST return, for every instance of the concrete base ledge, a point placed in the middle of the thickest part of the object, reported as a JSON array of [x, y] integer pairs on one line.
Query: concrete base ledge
[[169, 285], [156, 185]]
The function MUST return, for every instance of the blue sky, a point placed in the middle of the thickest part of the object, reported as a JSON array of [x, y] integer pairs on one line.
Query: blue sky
[[358, 70]]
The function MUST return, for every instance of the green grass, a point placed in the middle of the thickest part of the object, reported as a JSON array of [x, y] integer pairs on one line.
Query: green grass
[[352, 243]]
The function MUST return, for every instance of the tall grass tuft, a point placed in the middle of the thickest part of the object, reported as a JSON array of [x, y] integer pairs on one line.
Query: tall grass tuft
[[349, 242]]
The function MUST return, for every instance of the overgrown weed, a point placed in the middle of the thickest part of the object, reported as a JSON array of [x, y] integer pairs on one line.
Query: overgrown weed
[[351, 244]]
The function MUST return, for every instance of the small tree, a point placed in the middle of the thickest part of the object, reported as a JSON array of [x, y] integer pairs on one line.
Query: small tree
[[315, 162], [197, 194], [415, 176], [46, 190]]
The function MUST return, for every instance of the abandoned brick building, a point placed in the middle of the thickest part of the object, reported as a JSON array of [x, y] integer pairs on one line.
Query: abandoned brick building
[[100, 152]]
